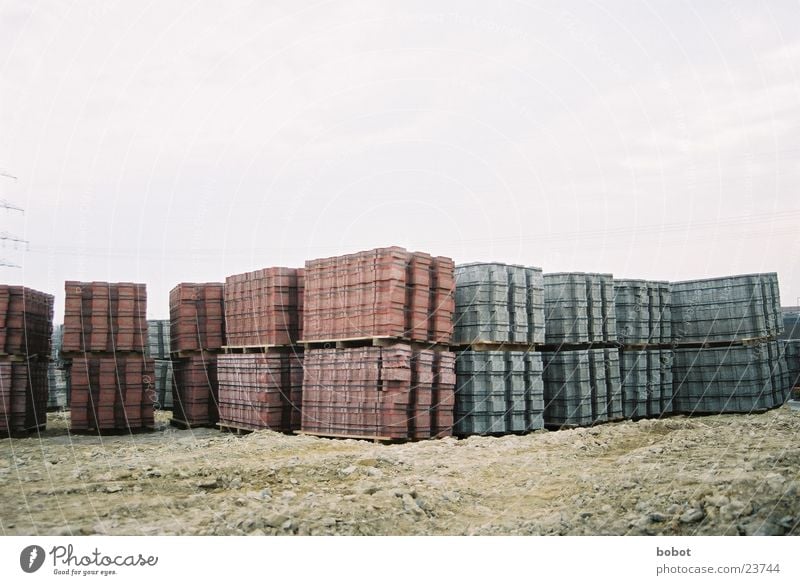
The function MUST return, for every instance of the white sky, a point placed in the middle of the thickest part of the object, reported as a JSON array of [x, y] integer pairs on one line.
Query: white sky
[[163, 142]]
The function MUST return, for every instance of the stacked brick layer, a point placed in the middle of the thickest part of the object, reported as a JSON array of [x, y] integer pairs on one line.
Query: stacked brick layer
[[791, 323], [381, 392], [57, 381], [26, 321], [23, 395], [111, 392], [164, 383], [158, 339], [646, 383], [105, 317], [57, 394], [579, 308], [26, 328], [726, 309], [581, 387], [110, 379], [729, 379], [264, 307], [196, 316], [498, 392], [643, 311], [498, 303], [791, 352], [387, 292], [195, 390], [261, 391]]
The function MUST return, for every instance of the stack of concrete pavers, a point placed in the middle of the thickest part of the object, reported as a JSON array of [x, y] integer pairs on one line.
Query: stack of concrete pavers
[[581, 353]]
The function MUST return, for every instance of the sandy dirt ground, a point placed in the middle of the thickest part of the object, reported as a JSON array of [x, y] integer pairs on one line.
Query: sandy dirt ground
[[733, 474]]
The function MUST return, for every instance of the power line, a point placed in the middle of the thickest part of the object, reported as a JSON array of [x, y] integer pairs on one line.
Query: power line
[[5, 236], [10, 206], [6, 264]]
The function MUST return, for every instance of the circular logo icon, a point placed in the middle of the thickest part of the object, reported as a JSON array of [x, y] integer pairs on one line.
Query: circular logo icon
[[31, 558]]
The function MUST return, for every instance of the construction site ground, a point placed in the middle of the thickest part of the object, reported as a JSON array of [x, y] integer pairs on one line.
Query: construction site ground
[[712, 475]]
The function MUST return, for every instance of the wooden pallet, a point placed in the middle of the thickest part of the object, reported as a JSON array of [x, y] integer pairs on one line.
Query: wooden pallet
[[374, 439], [550, 347], [185, 353], [702, 413], [182, 424], [7, 434], [67, 355], [355, 342], [268, 348], [496, 346], [378, 341], [564, 427], [10, 357], [495, 434], [237, 429], [645, 346], [111, 432], [750, 342], [570, 426]]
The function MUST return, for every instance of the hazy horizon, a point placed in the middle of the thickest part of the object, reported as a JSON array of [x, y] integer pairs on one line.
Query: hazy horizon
[[165, 143]]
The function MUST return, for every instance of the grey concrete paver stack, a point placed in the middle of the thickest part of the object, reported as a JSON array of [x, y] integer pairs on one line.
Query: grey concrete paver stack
[[646, 382], [579, 308], [791, 353], [644, 311], [743, 378], [727, 358], [791, 323], [158, 347], [57, 379], [644, 330], [498, 392], [730, 308], [498, 321], [498, 303], [581, 370]]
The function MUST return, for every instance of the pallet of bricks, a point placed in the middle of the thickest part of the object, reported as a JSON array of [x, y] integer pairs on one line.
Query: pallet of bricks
[[727, 356], [196, 337], [109, 375], [261, 369], [790, 346], [644, 331], [26, 325], [158, 348], [376, 331], [497, 323], [580, 355], [57, 381]]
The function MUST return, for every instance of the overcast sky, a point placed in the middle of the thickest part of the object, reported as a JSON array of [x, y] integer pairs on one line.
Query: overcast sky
[[163, 142]]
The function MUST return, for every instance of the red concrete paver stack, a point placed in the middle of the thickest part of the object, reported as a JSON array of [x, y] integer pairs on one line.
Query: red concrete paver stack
[[197, 316], [105, 317], [26, 325], [111, 392], [387, 292], [264, 307], [378, 306], [379, 392], [260, 377], [261, 390], [105, 339], [197, 335]]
